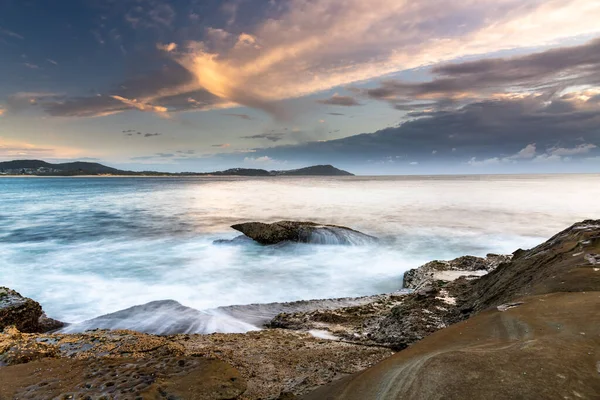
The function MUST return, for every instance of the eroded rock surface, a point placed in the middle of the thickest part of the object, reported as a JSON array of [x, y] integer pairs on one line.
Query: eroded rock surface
[[533, 331], [271, 362], [303, 232], [24, 313], [469, 266]]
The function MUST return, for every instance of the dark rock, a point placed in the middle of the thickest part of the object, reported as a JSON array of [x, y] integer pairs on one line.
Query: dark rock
[[303, 232], [236, 241], [549, 295], [24, 313], [448, 271]]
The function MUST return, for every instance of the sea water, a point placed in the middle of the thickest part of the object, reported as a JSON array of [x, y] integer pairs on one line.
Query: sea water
[[84, 247]]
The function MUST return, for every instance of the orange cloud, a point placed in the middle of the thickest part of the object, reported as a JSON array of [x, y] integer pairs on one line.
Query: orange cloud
[[323, 44]]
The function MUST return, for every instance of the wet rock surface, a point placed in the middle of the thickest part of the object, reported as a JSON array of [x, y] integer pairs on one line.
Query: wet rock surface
[[303, 232], [530, 329], [24, 313], [469, 266]]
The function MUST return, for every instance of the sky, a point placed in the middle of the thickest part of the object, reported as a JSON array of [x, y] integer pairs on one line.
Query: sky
[[373, 87]]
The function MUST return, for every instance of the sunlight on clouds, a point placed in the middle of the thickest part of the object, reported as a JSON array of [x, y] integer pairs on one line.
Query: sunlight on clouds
[[10, 149], [327, 43], [140, 105]]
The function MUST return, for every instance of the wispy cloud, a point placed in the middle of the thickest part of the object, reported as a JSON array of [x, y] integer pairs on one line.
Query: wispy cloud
[[51, 61], [242, 116], [11, 33], [168, 47], [345, 41], [31, 65], [337, 100], [142, 106], [273, 137]]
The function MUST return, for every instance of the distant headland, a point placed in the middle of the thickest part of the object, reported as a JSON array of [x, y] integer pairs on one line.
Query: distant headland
[[42, 168]]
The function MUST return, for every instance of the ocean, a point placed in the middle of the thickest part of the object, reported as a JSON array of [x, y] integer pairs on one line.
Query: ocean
[[84, 247]]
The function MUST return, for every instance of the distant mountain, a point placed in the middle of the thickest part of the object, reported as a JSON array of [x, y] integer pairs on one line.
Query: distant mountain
[[41, 168], [38, 167], [315, 170]]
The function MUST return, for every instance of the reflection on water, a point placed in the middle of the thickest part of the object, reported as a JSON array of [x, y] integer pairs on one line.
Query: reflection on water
[[89, 246]]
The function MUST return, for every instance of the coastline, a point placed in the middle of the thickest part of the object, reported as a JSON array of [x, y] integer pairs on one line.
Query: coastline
[[299, 352]]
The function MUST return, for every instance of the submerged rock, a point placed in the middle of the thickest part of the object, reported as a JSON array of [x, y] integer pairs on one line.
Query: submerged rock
[[24, 313], [164, 317], [303, 232]]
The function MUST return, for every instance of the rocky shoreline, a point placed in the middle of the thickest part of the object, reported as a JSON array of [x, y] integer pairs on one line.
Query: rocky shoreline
[[534, 305]]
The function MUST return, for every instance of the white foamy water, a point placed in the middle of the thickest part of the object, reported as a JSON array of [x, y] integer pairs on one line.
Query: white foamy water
[[84, 247]]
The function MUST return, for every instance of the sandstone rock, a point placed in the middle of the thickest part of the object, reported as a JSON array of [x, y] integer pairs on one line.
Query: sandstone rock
[[303, 232], [185, 378], [533, 328]]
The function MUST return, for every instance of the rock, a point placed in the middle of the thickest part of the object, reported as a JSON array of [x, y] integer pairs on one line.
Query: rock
[[236, 241], [24, 313], [185, 378], [532, 324], [164, 317], [448, 271], [534, 351], [271, 362], [303, 232]]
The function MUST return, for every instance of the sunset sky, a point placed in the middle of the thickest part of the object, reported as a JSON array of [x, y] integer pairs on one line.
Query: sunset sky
[[375, 87]]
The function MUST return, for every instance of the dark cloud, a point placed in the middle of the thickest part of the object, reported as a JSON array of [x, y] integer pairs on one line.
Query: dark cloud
[[273, 137], [242, 116], [155, 85], [483, 129], [186, 152], [337, 114], [152, 134], [337, 100], [550, 72], [165, 155]]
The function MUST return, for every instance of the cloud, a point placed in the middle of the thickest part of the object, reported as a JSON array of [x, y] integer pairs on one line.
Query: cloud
[[242, 116], [169, 47], [336, 114], [337, 100], [10, 149], [262, 160], [551, 72], [152, 134], [11, 34], [31, 66], [221, 145], [273, 137], [140, 105], [307, 47], [170, 87], [500, 131], [51, 61], [2, 111], [20, 101], [527, 152], [579, 149]]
